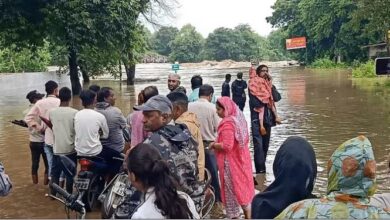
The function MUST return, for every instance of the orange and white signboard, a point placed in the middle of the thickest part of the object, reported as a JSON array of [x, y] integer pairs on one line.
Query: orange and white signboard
[[296, 43]]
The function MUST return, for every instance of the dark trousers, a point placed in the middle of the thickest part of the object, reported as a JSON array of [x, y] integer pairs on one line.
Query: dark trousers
[[114, 165], [36, 152], [260, 145], [211, 165], [58, 167], [240, 103]]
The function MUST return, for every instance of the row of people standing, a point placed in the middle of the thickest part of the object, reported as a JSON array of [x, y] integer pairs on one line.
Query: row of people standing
[[215, 150], [262, 98], [71, 133]]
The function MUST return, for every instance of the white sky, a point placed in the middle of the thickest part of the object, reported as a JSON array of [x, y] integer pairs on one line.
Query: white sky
[[207, 15]]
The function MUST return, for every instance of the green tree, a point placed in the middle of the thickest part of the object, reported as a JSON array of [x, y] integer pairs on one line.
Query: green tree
[[276, 46], [249, 43], [332, 27], [371, 18], [90, 31], [239, 44], [221, 44], [162, 40], [187, 45]]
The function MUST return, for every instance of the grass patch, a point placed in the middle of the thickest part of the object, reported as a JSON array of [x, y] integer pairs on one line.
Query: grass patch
[[365, 70], [326, 63]]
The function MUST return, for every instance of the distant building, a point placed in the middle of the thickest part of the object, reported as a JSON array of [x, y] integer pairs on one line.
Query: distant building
[[376, 50]]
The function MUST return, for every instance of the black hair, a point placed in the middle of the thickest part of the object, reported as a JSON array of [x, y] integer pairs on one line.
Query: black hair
[[219, 105], [206, 90], [178, 98], [103, 93], [239, 75], [258, 69], [87, 97], [146, 163], [94, 88], [65, 94], [50, 86], [228, 76], [196, 82], [147, 93]]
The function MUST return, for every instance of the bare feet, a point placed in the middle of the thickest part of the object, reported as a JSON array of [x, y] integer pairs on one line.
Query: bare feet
[[263, 131]]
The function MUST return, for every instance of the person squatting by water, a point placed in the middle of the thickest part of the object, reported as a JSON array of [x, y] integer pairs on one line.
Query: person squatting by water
[[260, 85]]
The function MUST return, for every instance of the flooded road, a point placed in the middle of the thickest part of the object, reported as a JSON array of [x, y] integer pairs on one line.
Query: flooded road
[[326, 107]]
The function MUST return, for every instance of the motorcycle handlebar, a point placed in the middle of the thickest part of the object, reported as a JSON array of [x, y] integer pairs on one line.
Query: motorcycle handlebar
[[61, 191]]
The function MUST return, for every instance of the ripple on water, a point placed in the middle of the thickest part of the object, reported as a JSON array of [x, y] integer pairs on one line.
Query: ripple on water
[[323, 108]]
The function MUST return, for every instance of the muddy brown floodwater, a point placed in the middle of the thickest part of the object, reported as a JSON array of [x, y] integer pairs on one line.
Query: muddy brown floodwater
[[326, 107]]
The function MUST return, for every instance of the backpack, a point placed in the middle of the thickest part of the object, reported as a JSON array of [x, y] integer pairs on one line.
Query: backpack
[[5, 182], [179, 149]]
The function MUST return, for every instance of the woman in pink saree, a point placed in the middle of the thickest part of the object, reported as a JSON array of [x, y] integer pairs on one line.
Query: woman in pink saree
[[233, 158]]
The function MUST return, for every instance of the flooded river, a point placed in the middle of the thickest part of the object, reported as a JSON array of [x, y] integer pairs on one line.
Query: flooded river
[[325, 107]]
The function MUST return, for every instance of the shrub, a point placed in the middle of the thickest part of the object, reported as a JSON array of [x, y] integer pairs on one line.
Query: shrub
[[24, 60], [364, 70], [326, 63]]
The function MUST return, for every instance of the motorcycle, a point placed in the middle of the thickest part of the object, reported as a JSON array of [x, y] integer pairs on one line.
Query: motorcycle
[[90, 180], [119, 199], [72, 202]]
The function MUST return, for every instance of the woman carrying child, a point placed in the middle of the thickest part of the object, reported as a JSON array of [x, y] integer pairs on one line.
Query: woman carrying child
[[260, 85]]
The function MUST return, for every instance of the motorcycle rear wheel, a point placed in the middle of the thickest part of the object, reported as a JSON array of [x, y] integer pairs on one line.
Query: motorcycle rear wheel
[[90, 197]]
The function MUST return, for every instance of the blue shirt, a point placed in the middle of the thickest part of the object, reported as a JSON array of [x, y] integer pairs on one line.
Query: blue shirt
[[194, 96]]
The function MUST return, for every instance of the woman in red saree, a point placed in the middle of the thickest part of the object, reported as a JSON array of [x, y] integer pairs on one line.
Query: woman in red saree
[[233, 158]]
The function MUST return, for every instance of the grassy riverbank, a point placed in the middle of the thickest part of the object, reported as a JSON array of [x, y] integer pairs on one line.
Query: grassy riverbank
[[359, 70]]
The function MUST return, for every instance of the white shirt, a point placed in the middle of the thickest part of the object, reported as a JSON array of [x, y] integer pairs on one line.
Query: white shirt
[[62, 119], [87, 124], [148, 210], [207, 116]]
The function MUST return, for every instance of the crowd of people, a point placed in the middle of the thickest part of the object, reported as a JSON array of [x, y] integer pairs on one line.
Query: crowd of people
[[175, 138]]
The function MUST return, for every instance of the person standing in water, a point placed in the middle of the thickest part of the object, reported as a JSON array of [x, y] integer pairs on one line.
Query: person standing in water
[[238, 91]]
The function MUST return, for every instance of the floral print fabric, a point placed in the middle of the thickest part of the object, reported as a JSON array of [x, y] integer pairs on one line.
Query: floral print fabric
[[351, 181]]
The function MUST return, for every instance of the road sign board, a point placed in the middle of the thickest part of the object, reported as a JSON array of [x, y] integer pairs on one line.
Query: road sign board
[[175, 67]]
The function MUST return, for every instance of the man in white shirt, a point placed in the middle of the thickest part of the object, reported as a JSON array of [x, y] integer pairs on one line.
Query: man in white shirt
[[209, 120], [62, 119], [90, 126]]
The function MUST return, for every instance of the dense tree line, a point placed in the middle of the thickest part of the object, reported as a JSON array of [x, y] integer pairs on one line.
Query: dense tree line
[[91, 35], [240, 44], [96, 36], [334, 28]]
